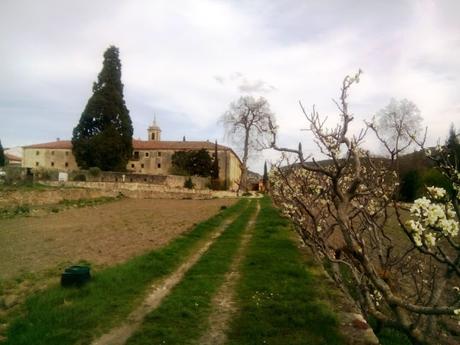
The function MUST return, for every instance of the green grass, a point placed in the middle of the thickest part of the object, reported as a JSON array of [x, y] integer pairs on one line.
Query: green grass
[[61, 316], [182, 316], [278, 298], [24, 186], [11, 212], [89, 202]]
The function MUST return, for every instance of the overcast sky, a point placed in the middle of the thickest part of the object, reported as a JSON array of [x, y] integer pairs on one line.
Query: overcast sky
[[185, 61]]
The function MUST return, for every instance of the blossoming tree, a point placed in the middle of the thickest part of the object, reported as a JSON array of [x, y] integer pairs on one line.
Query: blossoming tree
[[399, 266]]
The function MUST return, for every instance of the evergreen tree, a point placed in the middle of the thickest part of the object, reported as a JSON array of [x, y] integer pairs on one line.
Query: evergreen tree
[[265, 177], [197, 162], [215, 164], [453, 147], [103, 136], [2, 156]]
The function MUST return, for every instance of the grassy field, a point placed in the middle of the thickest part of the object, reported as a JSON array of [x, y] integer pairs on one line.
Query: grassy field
[[68, 316], [279, 300]]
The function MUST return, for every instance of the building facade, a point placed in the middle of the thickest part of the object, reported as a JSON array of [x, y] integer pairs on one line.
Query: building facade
[[152, 156]]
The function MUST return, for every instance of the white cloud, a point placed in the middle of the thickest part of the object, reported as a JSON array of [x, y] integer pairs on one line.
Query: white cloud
[[187, 60]]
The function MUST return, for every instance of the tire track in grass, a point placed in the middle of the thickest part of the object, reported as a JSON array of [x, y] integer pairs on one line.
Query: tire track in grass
[[181, 317], [224, 301], [58, 316], [159, 290]]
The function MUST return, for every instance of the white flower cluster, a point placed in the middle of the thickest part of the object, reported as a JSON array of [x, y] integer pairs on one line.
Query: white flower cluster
[[436, 193], [432, 219]]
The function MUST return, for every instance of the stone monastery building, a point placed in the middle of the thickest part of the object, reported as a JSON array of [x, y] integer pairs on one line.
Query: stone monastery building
[[152, 156]]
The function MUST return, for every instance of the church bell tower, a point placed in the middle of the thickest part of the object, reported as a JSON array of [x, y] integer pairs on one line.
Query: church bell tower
[[154, 131]]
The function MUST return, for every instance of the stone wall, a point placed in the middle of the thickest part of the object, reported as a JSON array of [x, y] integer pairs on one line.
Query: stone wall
[[141, 190], [142, 180], [52, 196]]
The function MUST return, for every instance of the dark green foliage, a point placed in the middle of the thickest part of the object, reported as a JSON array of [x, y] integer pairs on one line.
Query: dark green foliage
[[197, 162], [453, 148], [2, 156], [103, 136], [265, 177], [94, 171], [410, 185], [215, 164], [189, 183], [433, 177]]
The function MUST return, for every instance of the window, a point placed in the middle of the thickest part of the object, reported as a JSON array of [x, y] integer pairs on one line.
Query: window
[[132, 165], [67, 153], [37, 153], [159, 154], [66, 164], [153, 136], [142, 166], [37, 164], [52, 153], [159, 165], [52, 164], [146, 154], [136, 154]]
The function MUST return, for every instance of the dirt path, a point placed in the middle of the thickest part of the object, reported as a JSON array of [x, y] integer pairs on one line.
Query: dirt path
[[103, 235], [119, 335], [223, 303]]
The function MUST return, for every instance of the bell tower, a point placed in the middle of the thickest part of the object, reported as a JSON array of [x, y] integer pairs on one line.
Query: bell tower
[[154, 131]]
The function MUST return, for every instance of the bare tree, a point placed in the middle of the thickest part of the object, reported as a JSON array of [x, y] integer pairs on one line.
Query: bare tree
[[396, 125], [404, 277], [249, 123]]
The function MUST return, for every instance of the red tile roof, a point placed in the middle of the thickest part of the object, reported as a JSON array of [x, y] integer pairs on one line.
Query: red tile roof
[[175, 145], [61, 144], [143, 145]]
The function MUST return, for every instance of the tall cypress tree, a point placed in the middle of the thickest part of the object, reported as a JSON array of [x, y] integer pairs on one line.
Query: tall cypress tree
[[103, 136], [265, 177], [2, 156]]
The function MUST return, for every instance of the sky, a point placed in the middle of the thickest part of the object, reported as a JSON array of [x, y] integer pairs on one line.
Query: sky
[[186, 61]]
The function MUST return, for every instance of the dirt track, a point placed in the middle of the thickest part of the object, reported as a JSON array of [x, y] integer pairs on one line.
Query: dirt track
[[102, 235]]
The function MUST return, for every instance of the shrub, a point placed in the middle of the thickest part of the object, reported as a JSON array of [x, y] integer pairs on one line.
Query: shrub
[[189, 183], [80, 177], [94, 171]]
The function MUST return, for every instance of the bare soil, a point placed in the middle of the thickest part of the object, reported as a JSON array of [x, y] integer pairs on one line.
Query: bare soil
[[102, 235]]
